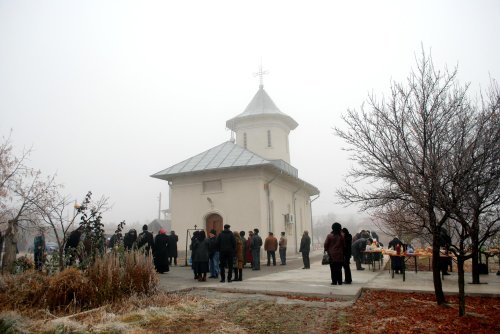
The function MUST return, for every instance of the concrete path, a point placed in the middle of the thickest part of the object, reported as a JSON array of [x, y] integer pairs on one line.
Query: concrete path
[[291, 279]]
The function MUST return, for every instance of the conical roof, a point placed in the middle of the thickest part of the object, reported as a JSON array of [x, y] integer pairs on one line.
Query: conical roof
[[261, 105]]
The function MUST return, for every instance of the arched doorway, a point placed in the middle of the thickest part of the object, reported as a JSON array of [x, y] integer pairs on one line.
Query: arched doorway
[[213, 221]]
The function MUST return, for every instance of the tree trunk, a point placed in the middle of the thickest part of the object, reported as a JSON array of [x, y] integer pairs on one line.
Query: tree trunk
[[475, 250], [10, 250], [461, 285], [475, 265], [61, 258], [436, 274]]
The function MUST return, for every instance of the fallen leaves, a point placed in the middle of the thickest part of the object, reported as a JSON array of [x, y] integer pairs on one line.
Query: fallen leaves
[[396, 312]]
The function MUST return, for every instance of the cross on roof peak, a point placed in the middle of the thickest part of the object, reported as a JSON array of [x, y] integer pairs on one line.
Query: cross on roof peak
[[261, 74]]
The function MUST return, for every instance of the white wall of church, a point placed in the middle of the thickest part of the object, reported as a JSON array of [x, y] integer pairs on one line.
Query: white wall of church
[[258, 140], [242, 202], [239, 202], [289, 199]]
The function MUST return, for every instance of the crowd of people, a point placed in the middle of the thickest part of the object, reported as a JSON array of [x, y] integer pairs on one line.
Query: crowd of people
[[224, 255], [162, 247], [340, 245]]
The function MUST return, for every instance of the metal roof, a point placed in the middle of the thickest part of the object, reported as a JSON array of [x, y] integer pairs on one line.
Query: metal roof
[[226, 156], [261, 105]]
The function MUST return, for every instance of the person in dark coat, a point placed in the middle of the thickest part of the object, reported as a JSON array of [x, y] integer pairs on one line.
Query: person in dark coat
[[357, 249], [192, 248], [256, 244], [160, 252], [201, 256], [305, 248], [172, 248], [39, 250], [334, 246], [347, 256], [130, 239], [72, 244], [226, 244], [396, 261], [145, 240], [115, 240]]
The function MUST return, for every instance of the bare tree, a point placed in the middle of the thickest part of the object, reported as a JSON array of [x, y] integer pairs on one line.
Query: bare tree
[[472, 194], [401, 219], [402, 146], [57, 213]]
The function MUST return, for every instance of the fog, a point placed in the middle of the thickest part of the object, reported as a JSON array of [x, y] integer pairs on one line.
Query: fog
[[110, 92]]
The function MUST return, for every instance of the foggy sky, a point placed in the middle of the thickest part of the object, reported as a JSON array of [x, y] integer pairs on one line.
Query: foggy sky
[[110, 92]]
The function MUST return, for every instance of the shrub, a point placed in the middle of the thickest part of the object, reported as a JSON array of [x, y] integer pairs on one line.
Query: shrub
[[118, 275], [69, 287], [27, 288], [110, 278], [140, 275], [105, 278]]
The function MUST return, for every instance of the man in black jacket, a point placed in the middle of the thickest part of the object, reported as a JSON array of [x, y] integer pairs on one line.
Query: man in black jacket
[[305, 248], [256, 244], [347, 256], [173, 239], [146, 240], [226, 244]]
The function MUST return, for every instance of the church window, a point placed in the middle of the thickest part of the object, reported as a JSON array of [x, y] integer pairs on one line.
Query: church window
[[212, 186], [245, 140], [269, 138]]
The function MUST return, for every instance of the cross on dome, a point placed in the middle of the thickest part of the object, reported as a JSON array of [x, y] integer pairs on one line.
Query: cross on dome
[[261, 74]]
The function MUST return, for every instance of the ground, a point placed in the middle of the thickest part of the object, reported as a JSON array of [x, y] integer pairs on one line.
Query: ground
[[198, 311]]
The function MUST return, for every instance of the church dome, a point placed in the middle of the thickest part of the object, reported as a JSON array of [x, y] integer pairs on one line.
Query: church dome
[[261, 107]]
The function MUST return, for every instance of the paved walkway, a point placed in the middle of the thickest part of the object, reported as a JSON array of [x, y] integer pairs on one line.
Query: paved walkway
[[292, 279]]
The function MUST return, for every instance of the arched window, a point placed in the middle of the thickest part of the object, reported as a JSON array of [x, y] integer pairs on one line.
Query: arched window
[[245, 140], [269, 138]]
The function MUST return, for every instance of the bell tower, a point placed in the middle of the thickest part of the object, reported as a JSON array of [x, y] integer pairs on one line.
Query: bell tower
[[262, 128]]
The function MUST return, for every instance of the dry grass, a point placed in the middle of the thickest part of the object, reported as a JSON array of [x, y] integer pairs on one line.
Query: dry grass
[[110, 279], [27, 289], [181, 313]]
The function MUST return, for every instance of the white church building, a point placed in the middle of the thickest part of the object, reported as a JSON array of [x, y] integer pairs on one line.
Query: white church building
[[247, 183]]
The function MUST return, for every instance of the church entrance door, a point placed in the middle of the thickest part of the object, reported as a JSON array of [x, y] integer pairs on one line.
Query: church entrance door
[[214, 221]]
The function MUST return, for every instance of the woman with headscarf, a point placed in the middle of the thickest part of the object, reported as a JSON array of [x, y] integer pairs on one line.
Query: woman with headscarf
[[334, 246], [160, 252]]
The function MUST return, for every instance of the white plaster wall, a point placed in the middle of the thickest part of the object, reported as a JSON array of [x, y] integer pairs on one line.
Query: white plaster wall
[[282, 194], [239, 203], [257, 139], [242, 203]]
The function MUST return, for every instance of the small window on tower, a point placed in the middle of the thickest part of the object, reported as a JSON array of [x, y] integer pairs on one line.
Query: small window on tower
[[269, 138], [245, 140]]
